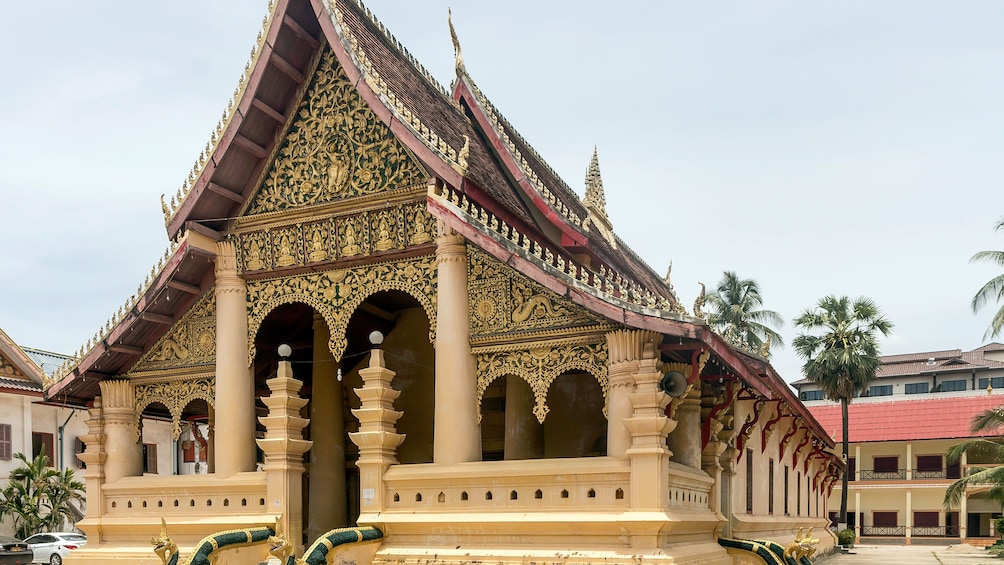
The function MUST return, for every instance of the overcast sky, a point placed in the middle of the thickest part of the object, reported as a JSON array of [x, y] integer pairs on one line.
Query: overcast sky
[[844, 147]]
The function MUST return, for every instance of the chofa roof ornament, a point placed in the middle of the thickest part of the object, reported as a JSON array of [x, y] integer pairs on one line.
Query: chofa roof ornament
[[596, 203], [458, 65]]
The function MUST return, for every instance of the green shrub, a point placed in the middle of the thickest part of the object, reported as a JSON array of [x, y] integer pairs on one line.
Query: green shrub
[[846, 537]]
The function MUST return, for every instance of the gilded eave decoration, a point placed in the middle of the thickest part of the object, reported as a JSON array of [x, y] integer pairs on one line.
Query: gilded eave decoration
[[191, 342], [175, 395], [320, 240], [503, 303], [335, 148], [337, 293], [539, 364], [8, 370]]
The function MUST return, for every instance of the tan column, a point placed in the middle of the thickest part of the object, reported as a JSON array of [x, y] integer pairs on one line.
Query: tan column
[[963, 516], [909, 460], [619, 407], [857, 462], [457, 434], [685, 440], [908, 519], [284, 447], [857, 513], [524, 436], [122, 446], [234, 384], [327, 508]]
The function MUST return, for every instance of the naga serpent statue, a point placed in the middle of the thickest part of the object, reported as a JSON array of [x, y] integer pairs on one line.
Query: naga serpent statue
[[206, 551], [317, 553]]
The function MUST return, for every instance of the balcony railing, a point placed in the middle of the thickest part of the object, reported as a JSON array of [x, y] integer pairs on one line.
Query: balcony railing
[[935, 531], [915, 474], [892, 531], [870, 475]]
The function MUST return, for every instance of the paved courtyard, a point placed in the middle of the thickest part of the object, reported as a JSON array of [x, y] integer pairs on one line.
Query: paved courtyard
[[913, 555]]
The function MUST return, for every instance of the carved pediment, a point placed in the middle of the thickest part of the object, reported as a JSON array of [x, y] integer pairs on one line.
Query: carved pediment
[[503, 302], [10, 371], [191, 341], [335, 148]]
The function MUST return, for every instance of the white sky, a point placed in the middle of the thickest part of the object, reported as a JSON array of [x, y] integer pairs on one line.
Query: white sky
[[850, 148]]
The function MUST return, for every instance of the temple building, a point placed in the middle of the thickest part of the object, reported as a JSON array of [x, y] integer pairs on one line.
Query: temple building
[[380, 306]]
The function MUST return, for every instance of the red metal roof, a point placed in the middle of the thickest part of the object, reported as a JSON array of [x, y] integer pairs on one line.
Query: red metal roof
[[902, 420]]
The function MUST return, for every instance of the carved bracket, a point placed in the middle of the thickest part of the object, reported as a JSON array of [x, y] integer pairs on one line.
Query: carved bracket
[[747, 429], [768, 427], [781, 445], [721, 403]]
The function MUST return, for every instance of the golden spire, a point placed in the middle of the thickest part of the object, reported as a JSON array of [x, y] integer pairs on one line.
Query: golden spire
[[458, 65], [596, 201]]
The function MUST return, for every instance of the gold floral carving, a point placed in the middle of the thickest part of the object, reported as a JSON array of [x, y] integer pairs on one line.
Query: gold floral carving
[[336, 148], [175, 395], [540, 364], [9, 371], [504, 302], [374, 231], [190, 342], [337, 293]]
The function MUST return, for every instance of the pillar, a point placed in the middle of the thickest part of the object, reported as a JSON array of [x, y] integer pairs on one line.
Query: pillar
[[211, 442], [857, 462], [685, 440], [648, 426], [377, 437], [122, 445], [909, 460], [234, 383], [909, 514], [858, 517], [95, 456], [284, 447], [524, 436], [327, 508], [964, 516], [457, 433], [623, 363]]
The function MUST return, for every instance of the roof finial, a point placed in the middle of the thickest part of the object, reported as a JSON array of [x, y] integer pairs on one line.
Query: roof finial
[[596, 201], [458, 65]]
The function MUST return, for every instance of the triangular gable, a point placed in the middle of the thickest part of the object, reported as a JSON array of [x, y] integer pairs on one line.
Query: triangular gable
[[335, 148], [190, 343], [15, 365], [8, 370]]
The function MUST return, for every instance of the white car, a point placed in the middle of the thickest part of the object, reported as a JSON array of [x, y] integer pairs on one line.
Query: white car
[[53, 547]]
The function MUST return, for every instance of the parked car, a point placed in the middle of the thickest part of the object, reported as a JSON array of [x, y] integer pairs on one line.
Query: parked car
[[53, 547], [14, 552]]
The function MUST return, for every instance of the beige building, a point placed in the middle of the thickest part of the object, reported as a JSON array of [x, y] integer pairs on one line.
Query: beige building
[[30, 425], [472, 361], [920, 405]]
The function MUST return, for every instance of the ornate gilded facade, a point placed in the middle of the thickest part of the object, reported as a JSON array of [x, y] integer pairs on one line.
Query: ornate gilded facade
[[381, 307]]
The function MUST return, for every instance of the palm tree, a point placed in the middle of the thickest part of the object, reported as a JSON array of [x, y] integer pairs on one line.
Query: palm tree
[[736, 313], [993, 290], [843, 356], [37, 498], [986, 449]]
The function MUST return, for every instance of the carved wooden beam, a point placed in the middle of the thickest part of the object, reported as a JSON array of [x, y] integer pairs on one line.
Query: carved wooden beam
[[127, 349], [270, 111], [250, 146], [287, 68], [225, 192], [289, 22], [184, 287], [157, 318]]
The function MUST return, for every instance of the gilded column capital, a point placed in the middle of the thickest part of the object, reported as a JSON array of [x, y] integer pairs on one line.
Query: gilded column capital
[[227, 277], [117, 394], [632, 345]]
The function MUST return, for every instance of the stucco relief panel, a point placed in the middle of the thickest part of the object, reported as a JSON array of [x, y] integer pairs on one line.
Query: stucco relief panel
[[190, 342], [336, 294], [539, 365], [175, 395], [335, 148]]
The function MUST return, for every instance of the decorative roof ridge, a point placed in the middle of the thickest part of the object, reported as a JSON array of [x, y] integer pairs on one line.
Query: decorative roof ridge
[[73, 361], [456, 158], [401, 49], [170, 208], [606, 284], [498, 120]]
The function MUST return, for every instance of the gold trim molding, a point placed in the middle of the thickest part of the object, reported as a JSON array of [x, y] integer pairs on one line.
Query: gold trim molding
[[175, 395], [337, 293]]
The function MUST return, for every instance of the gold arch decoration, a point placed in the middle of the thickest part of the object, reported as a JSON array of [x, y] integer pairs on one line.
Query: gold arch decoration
[[540, 364], [190, 342], [335, 148], [336, 294], [175, 395]]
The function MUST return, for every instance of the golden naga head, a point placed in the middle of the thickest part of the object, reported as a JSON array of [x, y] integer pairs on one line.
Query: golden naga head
[[163, 545], [279, 546]]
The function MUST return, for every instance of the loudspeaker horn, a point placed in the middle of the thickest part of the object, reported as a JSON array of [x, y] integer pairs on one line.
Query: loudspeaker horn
[[674, 384]]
